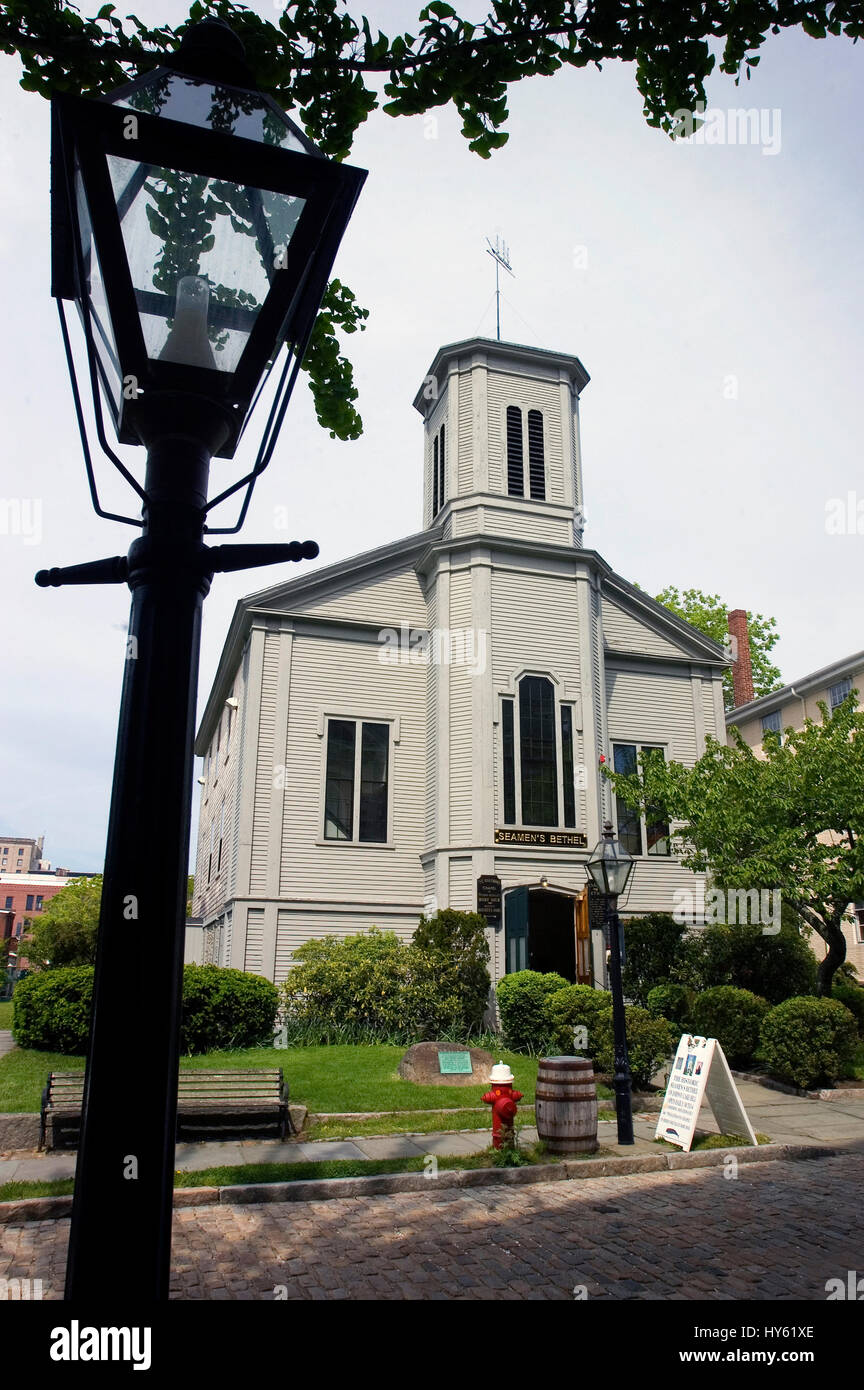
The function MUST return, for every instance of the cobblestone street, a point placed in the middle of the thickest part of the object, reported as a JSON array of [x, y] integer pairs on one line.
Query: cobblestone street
[[778, 1231]]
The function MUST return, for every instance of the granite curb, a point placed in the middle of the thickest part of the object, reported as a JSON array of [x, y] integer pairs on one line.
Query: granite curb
[[332, 1189]]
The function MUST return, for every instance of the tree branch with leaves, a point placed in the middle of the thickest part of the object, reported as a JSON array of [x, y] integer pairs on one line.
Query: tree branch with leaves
[[316, 59], [790, 818]]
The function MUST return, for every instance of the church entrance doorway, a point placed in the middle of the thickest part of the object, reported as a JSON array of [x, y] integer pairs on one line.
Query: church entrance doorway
[[547, 929]]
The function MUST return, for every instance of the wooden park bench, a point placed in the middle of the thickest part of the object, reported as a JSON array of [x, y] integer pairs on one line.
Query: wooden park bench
[[210, 1105]]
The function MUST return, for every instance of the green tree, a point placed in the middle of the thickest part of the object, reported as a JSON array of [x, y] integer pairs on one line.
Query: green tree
[[65, 933], [709, 613], [190, 889], [791, 819], [321, 62]]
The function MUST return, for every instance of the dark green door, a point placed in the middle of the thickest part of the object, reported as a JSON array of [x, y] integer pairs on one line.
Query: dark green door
[[516, 930]]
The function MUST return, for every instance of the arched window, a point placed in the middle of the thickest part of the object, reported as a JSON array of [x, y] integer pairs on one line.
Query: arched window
[[538, 757], [536, 459], [536, 488], [439, 472], [515, 469]]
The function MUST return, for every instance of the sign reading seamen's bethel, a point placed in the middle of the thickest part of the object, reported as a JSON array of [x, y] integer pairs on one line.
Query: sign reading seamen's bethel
[[563, 839]]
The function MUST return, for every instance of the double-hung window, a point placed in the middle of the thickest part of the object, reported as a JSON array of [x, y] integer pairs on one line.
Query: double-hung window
[[356, 792], [537, 757], [837, 693], [771, 724], [639, 834]]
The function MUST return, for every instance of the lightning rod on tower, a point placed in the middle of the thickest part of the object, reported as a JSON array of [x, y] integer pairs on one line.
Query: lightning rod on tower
[[500, 254]]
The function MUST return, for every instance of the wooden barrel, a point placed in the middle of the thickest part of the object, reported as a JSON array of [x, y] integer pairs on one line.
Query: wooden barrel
[[565, 1104]]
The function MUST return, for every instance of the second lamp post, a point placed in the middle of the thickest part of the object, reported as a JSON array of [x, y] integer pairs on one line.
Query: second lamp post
[[610, 867]]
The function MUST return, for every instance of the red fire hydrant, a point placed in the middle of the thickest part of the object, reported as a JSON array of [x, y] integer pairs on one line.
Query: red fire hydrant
[[503, 1100]]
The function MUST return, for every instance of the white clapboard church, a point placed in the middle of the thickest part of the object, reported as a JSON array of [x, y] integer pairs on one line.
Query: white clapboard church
[[422, 726]]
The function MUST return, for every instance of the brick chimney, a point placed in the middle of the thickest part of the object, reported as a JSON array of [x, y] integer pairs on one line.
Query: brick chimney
[[742, 673]]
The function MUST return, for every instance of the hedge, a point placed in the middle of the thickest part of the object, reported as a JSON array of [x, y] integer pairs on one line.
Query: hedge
[[810, 1042], [732, 1016], [522, 1005], [221, 1008]]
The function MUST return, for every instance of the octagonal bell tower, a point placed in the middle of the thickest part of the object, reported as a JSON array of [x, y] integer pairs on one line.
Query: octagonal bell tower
[[502, 454]]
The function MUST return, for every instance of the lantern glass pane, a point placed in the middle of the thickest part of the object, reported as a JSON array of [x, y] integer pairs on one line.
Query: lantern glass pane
[[202, 253], [229, 110], [103, 335]]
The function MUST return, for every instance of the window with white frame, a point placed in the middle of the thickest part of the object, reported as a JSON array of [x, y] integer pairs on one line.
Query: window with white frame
[[537, 756], [639, 833], [356, 790], [837, 693], [771, 724]]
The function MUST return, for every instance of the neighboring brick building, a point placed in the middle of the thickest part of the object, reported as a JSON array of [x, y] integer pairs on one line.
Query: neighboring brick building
[[788, 708]]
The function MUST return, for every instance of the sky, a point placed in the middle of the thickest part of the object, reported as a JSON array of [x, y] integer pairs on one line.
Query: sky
[[712, 290]]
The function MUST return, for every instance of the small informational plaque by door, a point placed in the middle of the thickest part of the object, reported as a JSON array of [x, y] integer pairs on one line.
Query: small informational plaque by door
[[701, 1073], [452, 1063]]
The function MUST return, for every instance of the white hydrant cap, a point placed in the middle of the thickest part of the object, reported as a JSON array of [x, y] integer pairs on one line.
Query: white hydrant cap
[[501, 1072]]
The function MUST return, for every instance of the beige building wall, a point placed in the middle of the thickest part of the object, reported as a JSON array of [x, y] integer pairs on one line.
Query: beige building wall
[[796, 703]]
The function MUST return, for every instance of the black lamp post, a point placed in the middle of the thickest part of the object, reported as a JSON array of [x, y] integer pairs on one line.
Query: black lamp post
[[610, 867], [195, 227]]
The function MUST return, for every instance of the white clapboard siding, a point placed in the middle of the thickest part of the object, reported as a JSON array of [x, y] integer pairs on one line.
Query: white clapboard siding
[[265, 764], [528, 525], [461, 730], [465, 442], [624, 633], [535, 625], [254, 958], [653, 885], [432, 679], [227, 937], [294, 927], [506, 389], [709, 714], [461, 884], [389, 600], [652, 708], [333, 675], [564, 870]]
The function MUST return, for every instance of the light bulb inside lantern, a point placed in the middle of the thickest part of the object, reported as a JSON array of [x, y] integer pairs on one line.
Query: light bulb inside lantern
[[188, 341]]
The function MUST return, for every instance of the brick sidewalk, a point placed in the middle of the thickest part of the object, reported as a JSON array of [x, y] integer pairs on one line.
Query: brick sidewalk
[[778, 1231]]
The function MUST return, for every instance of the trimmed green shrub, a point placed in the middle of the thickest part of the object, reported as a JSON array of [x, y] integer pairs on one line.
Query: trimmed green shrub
[[809, 1042], [774, 967], [372, 986], [653, 953], [226, 1008], [672, 1002], [51, 1009], [852, 996], [221, 1008], [649, 1043], [460, 938], [522, 1006], [732, 1016], [567, 1008]]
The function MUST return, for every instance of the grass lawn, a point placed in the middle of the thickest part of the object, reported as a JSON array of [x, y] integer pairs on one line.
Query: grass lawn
[[716, 1141], [322, 1078], [6, 1013], [413, 1122]]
